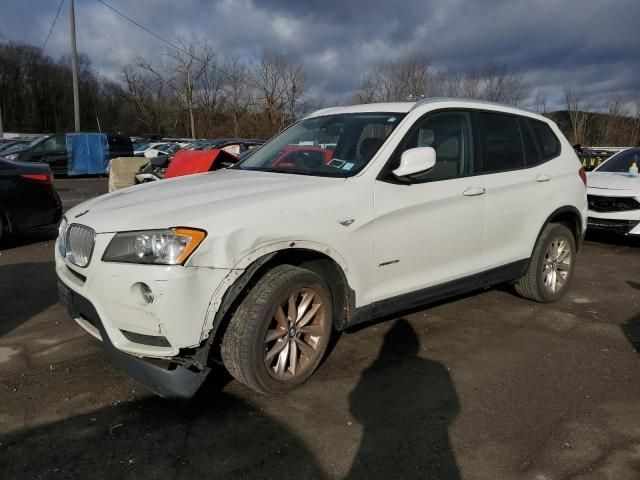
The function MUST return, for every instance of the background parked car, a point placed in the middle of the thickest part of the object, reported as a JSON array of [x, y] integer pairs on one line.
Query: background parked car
[[27, 196], [614, 195], [156, 149], [52, 150]]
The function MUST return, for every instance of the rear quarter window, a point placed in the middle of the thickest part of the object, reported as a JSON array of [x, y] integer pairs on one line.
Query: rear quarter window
[[547, 140]]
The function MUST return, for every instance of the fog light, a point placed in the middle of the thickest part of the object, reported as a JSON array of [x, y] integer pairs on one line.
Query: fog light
[[142, 293]]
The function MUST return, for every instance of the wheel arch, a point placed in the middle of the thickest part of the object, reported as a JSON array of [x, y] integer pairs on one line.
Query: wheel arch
[[222, 307], [568, 216]]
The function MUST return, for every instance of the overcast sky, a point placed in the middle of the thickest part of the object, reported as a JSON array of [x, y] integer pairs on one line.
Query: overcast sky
[[593, 45]]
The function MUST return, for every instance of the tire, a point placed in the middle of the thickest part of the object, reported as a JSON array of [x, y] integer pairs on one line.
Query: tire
[[279, 333], [551, 267]]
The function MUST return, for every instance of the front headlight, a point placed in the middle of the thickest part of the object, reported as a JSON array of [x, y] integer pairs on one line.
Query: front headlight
[[62, 237], [159, 247]]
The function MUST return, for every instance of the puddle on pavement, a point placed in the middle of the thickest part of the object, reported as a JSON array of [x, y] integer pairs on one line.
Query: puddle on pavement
[[6, 353]]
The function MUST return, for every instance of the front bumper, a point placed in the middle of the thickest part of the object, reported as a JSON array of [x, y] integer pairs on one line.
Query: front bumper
[[140, 337], [174, 381], [179, 316], [625, 223]]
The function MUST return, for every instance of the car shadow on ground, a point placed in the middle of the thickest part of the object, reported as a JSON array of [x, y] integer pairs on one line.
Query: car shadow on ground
[[395, 438], [219, 437], [35, 281], [631, 327], [42, 234]]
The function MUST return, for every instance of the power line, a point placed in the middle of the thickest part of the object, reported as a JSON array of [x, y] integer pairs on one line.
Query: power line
[[53, 24], [173, 45]]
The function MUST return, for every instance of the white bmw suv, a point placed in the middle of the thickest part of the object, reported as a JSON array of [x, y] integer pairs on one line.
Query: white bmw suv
[[348, 215]]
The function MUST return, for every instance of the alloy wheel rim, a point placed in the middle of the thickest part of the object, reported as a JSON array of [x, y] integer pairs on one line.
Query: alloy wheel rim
[[295, 334], [556, 265]]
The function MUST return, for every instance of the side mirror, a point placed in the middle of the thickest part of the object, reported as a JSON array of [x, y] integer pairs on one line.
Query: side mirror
[[415, 160]]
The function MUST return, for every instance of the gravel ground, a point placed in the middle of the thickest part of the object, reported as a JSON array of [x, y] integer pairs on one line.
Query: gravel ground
[[485, 386]]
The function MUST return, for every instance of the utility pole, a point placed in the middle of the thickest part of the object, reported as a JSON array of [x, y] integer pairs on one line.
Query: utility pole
[[74, 68]]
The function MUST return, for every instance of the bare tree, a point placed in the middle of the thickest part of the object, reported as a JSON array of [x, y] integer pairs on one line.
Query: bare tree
[[409, 77], [238, 92], [471, 84], [540, 103], [190, 65], [577, 116], [501, 85], [609, 122], [279, 87], [268, 77], [405, 79], [635, 128], [366, 90], [209, 89], [294, 89], [446, 83], [148, 93]]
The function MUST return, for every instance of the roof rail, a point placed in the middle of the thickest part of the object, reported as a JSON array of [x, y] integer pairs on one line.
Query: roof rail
[[469, 100]]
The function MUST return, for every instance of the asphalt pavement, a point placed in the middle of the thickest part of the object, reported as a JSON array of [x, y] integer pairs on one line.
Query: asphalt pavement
[[484, 386]]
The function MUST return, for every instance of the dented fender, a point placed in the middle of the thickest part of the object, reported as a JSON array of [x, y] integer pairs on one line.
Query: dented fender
[[242, 272]]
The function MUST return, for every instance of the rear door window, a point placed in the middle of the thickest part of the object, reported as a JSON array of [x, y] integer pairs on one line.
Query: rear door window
[[56, 144], [501, 142]]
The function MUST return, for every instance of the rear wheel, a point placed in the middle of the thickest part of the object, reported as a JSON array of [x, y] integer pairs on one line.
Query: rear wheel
[[280, 332], [551, 268]]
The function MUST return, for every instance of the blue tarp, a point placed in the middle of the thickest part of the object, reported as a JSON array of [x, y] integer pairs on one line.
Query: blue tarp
[[88, 153]]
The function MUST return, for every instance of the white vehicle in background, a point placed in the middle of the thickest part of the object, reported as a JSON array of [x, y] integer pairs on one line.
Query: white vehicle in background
[[140, 148], [614, 195], [156, 149], [256, 265]]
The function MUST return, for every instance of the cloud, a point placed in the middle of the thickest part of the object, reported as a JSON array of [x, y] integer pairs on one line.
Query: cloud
[[590, 45]]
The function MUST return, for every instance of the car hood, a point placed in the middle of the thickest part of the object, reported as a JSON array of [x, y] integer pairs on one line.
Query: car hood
[[614, 181], [200, 200]]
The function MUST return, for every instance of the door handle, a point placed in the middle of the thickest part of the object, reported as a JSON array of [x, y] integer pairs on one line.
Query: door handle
[[473, 191], [543, 177]]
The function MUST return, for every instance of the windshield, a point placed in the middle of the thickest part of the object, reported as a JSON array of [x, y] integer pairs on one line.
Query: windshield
[[330, 145], [622, 161], [22, 145]]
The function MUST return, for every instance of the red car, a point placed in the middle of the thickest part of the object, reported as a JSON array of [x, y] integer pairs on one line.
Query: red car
[[294, 155], [187, 162]]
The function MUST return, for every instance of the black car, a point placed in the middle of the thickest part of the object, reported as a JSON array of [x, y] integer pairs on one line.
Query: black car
[[27, 196], [52, 150]]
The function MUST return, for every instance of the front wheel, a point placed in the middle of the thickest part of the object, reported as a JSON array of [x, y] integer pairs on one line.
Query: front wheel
[[280, 332], [551, 268]]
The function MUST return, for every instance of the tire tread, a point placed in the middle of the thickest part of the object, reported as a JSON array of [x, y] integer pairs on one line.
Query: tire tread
[[528, 285], [247, 322]]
